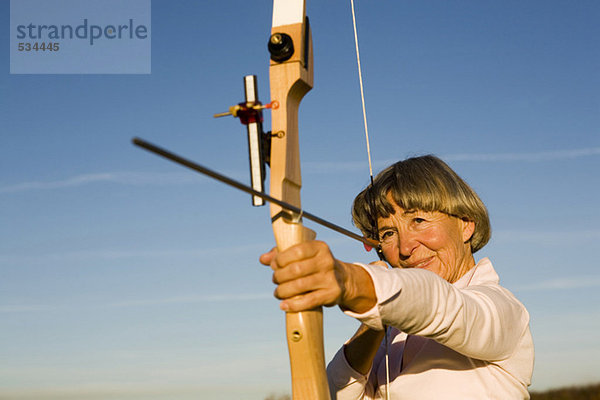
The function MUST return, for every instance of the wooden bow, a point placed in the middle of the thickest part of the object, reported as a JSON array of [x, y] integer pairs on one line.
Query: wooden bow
[[291, 77]]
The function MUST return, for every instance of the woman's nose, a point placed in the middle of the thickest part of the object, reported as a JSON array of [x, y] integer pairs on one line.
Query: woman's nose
[[407, 244]]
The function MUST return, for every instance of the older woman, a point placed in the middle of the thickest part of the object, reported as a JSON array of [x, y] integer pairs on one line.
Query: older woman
[[435, 326]]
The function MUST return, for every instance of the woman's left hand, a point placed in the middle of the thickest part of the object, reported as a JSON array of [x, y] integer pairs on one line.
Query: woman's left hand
[[307, 276]]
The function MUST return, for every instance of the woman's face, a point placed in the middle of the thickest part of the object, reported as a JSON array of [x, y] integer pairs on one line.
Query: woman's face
[[429, 240]]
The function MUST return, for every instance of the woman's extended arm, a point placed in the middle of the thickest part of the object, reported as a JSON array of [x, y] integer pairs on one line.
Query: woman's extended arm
[[361, 349]]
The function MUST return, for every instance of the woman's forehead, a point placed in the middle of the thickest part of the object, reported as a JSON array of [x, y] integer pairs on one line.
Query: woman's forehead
[[403, 213], [398, 209]]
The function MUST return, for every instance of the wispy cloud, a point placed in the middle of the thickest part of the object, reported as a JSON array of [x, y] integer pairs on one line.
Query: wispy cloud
[[529, 157], [217, 298], [190, 299], [550, 238], [128, 254], [25, 308], [313, 167], [564, 283], [126, 178], [556, 155]]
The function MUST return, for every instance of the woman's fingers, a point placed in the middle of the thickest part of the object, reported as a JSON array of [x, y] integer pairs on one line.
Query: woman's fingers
[[305, 276], [301, 268], [302, 251], [325, 282], [267, 258], [307, 301]]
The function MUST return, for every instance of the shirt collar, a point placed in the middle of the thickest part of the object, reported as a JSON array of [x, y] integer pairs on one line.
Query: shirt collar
[[480, 273]]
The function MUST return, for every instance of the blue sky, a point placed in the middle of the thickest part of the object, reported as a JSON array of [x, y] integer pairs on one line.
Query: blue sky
[[124, 276]]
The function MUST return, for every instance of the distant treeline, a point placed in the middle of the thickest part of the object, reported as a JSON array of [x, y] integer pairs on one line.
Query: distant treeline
[[588, 392]]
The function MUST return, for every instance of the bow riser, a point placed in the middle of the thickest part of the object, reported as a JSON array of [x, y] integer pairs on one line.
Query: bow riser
[[290, 80]]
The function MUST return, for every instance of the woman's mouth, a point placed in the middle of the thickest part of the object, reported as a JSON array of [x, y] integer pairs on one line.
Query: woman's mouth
[[420, 263]]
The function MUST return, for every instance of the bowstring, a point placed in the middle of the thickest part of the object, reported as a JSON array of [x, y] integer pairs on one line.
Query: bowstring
[[366, 126], [364, 111], [362, 92]]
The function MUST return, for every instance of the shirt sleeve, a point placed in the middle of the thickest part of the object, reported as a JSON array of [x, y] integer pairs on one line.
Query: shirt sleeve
[[484, 321], [344, 381]]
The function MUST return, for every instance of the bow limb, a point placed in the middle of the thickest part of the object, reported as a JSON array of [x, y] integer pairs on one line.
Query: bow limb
[[290, 79]]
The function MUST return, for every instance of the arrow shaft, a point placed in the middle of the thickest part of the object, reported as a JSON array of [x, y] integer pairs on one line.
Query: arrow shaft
[[297, 212]]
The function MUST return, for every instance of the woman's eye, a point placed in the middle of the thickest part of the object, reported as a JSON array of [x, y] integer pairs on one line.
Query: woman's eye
[[386, 235], [419, 220]]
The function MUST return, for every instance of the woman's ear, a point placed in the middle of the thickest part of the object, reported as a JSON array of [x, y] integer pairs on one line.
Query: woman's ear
[[468, 227]]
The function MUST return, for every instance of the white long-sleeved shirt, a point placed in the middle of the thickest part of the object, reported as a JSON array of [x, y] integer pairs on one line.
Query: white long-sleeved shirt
[[467, 340]]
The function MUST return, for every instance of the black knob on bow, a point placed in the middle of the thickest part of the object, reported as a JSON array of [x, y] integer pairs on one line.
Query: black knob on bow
[[281, 47]]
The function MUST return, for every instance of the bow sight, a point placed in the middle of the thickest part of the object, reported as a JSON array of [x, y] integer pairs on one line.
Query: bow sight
[[259, 142]]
